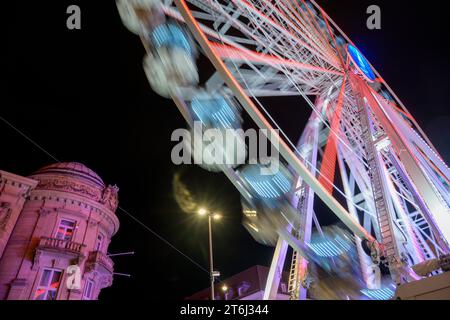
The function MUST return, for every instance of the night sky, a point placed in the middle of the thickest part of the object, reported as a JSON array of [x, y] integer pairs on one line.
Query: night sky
[[83, 96]]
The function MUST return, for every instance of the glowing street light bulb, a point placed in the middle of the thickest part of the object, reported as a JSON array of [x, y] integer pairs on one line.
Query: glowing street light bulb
[[224, 288], [202, 211], [217, 216]]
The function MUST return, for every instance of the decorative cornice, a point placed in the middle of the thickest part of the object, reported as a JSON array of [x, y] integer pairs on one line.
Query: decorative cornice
[[70, 186], [68, 199], [16, 180]]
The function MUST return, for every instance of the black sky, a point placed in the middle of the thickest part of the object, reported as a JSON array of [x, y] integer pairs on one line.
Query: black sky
[[83, 96]]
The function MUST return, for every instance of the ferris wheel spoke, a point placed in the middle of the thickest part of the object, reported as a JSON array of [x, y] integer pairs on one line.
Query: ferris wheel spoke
[[275, 86], [271, 39], [240, 55], [333, 38], [268, 81], [263, 65], [299, 26], [309, 23], [237, 41], [302, 78], [265, 82], [260, 20]]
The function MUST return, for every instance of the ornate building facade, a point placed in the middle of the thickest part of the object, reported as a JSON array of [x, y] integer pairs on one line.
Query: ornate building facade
[[55, 229]]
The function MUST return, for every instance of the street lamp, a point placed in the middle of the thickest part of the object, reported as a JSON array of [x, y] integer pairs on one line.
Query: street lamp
[[213, 274]]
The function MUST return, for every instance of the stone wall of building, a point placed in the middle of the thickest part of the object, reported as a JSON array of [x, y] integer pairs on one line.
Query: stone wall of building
[[14, 190]]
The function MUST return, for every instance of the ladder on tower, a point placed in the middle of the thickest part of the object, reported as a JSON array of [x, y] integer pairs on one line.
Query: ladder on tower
[[301, 229], [295, 277], [385, 223]]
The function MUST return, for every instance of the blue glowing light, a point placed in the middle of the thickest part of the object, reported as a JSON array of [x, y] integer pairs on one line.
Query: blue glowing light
[[170, 35], [330, 248], [215, 112], [361, 62], [379, 294]]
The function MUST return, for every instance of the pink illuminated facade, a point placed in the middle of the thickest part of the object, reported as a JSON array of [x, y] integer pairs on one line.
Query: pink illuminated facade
[[62, 215]]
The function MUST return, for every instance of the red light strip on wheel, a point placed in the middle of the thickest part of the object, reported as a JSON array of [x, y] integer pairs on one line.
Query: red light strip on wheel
[[229, 52], [328, 167]]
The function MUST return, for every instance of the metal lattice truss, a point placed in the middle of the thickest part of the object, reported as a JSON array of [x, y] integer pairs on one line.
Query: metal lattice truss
[[267, 53], [395, 184]]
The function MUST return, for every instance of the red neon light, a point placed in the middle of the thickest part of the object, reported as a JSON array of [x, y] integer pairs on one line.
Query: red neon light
[[229, 52], [328, 167]]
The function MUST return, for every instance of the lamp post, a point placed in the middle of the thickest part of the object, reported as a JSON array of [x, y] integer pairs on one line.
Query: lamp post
[[213, 274]]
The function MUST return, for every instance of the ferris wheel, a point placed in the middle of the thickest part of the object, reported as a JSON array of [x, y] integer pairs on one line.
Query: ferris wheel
[[361, 152]]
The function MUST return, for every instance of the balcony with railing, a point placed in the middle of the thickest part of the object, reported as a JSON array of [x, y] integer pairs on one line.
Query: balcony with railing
[[99, 261], [54, 244]]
